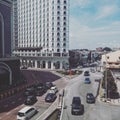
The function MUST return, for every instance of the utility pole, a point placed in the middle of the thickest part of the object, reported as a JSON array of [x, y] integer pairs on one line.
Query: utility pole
[[106, 82]]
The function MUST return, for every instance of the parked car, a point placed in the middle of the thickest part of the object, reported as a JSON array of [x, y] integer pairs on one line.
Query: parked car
[[87, 81], [26, 113], [30, 100], [92, 70], [24, 67], [90, 98], [29, 91], [53, 89], [86, 73], [77, 107], [40, 89], [49, 85], [50, 97]]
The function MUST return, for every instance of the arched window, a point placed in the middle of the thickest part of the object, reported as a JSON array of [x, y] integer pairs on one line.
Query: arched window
[[64, 50], [58, 50], [58, 44], [58, 34], [64, 1], [64, 13]]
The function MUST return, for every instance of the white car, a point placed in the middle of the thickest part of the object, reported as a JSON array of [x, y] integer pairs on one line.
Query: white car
[[53, 89], [26, 113]]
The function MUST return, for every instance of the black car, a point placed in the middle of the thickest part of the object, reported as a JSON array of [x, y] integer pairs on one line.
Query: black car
[[77, 107], [40, 89], [90, 98], [29, 91], [30, 100], [49, 85], [50, 97], [86, 73]]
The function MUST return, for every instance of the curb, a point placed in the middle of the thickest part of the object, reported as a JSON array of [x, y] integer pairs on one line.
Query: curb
[[108, 102]]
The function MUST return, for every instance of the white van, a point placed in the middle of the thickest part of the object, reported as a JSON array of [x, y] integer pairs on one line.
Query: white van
[[26, 113]]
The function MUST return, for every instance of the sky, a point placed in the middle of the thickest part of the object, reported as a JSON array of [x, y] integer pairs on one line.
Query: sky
[[94, 23]]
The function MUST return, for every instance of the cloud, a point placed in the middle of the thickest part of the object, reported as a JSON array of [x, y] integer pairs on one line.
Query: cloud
[[82, 36], [94, 23], [80, 3], [106, 11]]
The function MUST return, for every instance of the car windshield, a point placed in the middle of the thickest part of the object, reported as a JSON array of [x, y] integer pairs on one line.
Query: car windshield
[[21, 114]]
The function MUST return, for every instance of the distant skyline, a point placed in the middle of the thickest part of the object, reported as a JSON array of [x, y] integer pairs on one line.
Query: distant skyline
[[94, 23]]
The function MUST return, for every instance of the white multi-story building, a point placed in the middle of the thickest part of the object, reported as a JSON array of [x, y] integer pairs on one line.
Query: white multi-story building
[[41, 32]]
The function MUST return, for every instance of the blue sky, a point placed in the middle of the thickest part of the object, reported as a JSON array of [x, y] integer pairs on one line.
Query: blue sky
[[94, 23]]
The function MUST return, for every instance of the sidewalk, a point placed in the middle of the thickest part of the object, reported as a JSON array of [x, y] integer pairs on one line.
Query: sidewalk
[[109, 101]]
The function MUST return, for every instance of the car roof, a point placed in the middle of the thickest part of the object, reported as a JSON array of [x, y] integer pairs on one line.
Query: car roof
[[76, 98], [53, 87], [23, 110], [89, 94]]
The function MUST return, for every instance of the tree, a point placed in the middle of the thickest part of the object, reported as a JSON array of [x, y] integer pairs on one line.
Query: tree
[[109, 84]]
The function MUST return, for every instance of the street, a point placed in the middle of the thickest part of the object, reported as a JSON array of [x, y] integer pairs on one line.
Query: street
[[97, 111]]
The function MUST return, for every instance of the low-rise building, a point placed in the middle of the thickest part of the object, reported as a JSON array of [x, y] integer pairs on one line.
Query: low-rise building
[[111, 60]]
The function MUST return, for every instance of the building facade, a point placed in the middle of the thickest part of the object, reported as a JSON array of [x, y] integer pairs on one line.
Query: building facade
[[5, 27], [9, 67], [41, 30], [111, 60]]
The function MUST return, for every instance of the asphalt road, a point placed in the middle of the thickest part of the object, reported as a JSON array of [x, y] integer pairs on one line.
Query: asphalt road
[[97, 111]]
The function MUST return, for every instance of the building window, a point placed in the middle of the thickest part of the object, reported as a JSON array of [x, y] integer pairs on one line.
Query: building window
[[64, 50], [58, 39], [58, 12], [64, 23], [58, 1], [58, 50], [58, 29], [58, 34], [58, 7], [64, 1], [64, 7], [58, 45], [64, 44], [58, 23], [64, 34], [64, 39], [58, 18], [64, 18], [64, 29], [64, 13]]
